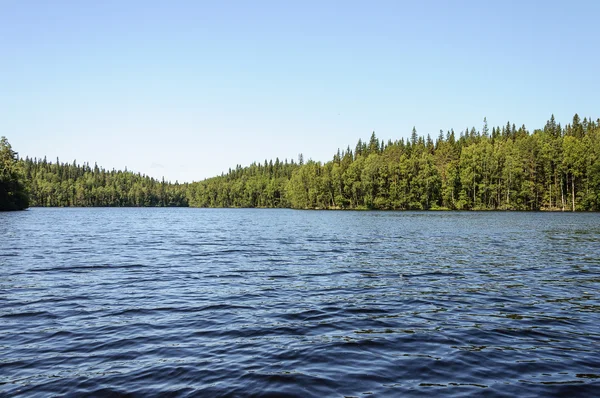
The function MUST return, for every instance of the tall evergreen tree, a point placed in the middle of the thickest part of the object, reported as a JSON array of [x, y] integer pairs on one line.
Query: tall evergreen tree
[[13, 195]]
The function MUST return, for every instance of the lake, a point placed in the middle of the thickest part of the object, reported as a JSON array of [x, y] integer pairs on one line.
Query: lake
[[249, 302]]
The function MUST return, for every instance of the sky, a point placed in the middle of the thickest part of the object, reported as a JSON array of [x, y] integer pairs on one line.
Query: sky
[[186, 90]]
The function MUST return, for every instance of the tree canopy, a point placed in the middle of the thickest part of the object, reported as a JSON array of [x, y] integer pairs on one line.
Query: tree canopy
[[505, 168], [13, 195], [63, 184]]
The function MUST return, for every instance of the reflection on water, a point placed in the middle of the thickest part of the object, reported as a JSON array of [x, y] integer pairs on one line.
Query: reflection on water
[[298, 303]]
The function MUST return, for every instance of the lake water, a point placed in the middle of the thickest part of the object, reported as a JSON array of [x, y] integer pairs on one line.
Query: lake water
[[236, 302]]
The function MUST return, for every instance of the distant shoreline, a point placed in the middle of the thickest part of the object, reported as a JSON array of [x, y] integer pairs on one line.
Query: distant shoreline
[[319, 209], [506, 168]]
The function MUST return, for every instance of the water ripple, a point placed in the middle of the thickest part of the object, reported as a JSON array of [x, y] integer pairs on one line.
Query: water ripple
[[192, 302]]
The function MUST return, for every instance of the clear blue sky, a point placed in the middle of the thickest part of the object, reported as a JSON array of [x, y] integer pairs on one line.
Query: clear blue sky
[[187, 89]]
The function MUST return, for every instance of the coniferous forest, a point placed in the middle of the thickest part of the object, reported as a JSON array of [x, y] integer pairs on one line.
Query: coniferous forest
[[62, 184], [503, 168]]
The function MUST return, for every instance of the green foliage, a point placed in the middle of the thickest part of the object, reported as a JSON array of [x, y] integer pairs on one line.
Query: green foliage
[[258, 185], [13, 195], [62, 184], [507, 169], [553, 168]]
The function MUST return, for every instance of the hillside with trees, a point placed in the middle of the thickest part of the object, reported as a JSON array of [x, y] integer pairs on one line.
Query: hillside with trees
[[62, 184], [503, 168]]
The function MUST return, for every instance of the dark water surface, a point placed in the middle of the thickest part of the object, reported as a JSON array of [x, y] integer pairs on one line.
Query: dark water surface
[[198, 302]]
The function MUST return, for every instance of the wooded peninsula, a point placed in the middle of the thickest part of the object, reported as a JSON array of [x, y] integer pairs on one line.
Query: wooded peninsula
[[508, 168]]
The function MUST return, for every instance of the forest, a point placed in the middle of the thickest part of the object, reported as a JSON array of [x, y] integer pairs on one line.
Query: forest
[[553, 168], [505, 168], [62, 184]]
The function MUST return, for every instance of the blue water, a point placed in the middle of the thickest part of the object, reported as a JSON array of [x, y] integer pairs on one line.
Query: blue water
[[202, 302]]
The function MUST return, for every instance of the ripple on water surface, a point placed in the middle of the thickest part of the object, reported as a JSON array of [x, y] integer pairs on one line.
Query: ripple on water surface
[[192, 302]]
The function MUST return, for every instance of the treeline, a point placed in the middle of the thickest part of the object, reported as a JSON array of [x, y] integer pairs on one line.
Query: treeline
[[62, 184], [13, 195], [505, 168], [258, 185]]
